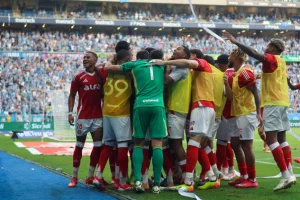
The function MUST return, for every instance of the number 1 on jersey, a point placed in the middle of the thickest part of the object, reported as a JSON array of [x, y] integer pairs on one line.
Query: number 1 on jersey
[[151, 73]]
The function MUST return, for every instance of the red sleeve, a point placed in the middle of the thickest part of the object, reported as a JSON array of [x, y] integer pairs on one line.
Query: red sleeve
[[269, 63], [202, 65], [75, 85], [298, 86], [246, 78]]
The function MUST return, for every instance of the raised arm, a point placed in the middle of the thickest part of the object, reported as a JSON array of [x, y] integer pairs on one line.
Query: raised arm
[[191, 64], [109, 67], [248, 50]]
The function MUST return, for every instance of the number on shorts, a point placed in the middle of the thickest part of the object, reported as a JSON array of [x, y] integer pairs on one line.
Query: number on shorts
[[79, 126], [116, 87]]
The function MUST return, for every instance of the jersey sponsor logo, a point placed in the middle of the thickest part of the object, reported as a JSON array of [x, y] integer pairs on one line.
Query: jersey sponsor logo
[[150, 100], [85, 81], [92, 87]]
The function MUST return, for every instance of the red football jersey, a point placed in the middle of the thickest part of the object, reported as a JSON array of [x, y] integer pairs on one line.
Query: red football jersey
[[89, 89]]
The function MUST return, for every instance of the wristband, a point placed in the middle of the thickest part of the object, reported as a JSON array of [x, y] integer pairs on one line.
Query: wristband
[[70, 113]]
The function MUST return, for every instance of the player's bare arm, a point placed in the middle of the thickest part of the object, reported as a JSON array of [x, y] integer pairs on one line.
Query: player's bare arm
[[292, 87], [191, 64], [253, 90], [109, 67], [248, 50], [71, 103], [228, 90], [168, 79]]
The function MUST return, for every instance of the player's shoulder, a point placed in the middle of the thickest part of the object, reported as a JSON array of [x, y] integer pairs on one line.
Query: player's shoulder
[[79, 75]]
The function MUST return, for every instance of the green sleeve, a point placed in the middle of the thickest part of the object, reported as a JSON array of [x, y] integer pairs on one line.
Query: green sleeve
[[127, 67]]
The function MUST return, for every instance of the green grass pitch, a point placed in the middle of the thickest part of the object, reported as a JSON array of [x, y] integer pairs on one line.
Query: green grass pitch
[[265, 166]]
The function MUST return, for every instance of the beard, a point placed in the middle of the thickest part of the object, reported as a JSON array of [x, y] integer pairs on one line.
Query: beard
[[230, 65]]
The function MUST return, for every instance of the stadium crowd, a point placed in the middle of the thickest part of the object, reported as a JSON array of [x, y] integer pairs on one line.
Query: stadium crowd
[[59, 41], [22, 79]]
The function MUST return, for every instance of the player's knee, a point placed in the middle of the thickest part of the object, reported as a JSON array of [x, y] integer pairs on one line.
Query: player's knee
[[79, 144], [157, 142]]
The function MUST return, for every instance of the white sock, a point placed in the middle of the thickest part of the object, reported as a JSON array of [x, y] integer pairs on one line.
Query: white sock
[[145, 177], [286, 174], [231, 169], [117, 172], [211, 175], [170, 177], [290, 168], [122, 179], [215, 168], [98, 173], [189, 178], [75, 172], [225, 170], [245, 176], [91, 171]]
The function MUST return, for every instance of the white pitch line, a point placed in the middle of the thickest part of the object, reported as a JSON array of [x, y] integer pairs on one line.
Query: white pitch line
[[34, 151], [19, 144], [294, 134], [270, 163]]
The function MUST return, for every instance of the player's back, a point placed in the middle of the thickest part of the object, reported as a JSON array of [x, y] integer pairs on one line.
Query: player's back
[[149, 84]]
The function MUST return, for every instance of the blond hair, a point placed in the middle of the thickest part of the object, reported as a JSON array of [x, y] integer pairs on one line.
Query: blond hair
[[240, 54]]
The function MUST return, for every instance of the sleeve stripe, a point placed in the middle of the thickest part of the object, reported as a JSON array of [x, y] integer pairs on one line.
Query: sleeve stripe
[[245, 74]]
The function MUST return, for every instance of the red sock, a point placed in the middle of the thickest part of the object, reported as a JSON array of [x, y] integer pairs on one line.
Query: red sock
[[242, 168], [225, 163], [123, 160], [146, 161], [112, 162], [230, 155], [94, 157], [77, 156], [204, 162], [279, 158], [105, 153], [251, 172], [221, 156], [191, 158], [212, 157], [287, 153], [168, 160]]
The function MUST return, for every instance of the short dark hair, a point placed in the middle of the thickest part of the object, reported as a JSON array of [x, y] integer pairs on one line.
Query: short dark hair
[[122, 54], [223, 59], [149, 49], [157, 54], [93, 53], [278, 44], [187, 51], [209, 59], [122, 45], [198, 53], [142, 55]]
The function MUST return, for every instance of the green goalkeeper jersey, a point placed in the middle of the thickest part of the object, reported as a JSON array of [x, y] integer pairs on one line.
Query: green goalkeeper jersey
[[148, 82]]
